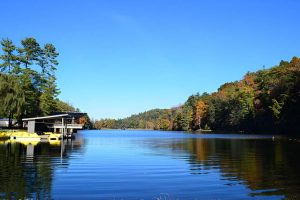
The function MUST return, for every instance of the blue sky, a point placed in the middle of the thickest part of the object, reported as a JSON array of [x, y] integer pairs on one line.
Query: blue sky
[[123, 57]]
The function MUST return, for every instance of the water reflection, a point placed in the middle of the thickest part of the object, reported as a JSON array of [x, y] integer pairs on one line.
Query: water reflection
[[26, 169], [267, 167], [144, 165]]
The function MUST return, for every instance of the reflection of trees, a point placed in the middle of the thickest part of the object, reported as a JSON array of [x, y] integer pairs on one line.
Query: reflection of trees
[[26, 171], [262, 165], [267, 167]]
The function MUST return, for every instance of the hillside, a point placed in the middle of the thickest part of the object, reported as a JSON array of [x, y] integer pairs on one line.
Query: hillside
[[266, 101]]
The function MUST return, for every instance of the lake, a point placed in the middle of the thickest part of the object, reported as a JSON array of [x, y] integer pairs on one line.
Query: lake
[[127, 164]]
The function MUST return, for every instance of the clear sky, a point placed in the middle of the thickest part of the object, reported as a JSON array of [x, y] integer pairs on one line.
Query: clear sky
[[123, 57]]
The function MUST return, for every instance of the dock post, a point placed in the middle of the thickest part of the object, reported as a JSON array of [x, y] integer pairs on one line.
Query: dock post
[[63, 127]]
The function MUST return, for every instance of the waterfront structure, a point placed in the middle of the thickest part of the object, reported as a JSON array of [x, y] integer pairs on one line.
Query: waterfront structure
[[64, 123], [50, 128]]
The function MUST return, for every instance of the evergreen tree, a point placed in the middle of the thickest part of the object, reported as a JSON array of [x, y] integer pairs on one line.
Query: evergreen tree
[[30, 52], [49, 91], [9, 58]]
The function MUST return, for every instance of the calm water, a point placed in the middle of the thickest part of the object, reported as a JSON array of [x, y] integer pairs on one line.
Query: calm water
[[152, 165]]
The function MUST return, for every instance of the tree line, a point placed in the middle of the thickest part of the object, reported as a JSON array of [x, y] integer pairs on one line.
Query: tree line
[[267, 100], [27, 80]]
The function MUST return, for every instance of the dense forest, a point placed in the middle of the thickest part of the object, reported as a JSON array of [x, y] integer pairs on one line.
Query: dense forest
[[264, 101], [27, 80]]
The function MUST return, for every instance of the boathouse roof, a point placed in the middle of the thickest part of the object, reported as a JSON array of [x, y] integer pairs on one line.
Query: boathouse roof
[[45, 117], [56, 115], [71, 114]]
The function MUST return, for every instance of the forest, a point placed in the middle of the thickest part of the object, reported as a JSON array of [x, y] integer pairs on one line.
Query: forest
[[265, 101], [28, 85]]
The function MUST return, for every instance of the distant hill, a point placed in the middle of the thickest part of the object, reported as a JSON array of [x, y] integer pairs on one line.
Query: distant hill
[[266, 101]]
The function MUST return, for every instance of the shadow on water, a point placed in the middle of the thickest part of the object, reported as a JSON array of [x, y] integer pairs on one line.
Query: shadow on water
[[26, 169]]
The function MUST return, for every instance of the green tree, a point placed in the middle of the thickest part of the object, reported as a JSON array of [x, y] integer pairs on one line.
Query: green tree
[[30, 52], [12, 97], [64, 106], [49, 91], [9, 58], [47, 59]]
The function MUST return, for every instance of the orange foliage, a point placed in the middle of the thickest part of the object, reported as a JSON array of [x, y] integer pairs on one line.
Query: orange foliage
[[82, 120], [199, 111]]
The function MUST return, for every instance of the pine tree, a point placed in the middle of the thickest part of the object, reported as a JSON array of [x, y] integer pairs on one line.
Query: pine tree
[[9, 58]]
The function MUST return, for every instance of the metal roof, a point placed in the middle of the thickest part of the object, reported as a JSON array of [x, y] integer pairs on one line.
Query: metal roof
[[71, 114], [45, 117]]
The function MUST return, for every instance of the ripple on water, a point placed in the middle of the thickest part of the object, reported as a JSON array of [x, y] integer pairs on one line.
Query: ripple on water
[[152, 165]]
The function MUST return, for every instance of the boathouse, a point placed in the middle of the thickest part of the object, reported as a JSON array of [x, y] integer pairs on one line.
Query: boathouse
[[65, 123]]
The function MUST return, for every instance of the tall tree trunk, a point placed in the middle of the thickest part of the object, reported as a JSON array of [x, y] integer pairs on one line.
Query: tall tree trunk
[[10, 119], [200, 123]]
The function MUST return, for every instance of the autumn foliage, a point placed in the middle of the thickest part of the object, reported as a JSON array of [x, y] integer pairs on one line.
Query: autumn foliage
[[265, 101]]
